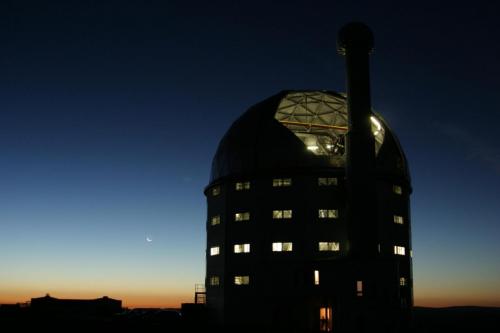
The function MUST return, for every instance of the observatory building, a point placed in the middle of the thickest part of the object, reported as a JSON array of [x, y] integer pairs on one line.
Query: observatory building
[[308, 215]]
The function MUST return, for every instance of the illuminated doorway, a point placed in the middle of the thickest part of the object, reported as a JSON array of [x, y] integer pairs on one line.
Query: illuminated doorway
[[325, 319]]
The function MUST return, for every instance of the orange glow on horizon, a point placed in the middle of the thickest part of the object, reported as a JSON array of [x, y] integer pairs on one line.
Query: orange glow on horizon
[[129, 300], [443, 302], [438, 293]]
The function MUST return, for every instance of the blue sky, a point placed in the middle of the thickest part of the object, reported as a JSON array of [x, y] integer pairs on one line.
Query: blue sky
[[110, 114]]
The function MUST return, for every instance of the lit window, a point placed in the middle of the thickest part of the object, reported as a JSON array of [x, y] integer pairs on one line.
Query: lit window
[[215, 191], [240, 280], [316, 278], [281, 182], [214, 250], [282, 214], [329, 246], [241, 248], [242, 216], [240, 186], [328, 213], [214, 280], [359, 288], [215, 220], [398, 219], [397, 189], [399, 250], [402, 281], [282, 247], [327, 181]]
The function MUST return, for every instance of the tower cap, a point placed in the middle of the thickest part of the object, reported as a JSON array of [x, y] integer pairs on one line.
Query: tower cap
[[355, 35]]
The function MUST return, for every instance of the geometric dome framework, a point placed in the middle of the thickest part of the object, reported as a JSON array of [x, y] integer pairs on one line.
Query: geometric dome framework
[[320, 121]]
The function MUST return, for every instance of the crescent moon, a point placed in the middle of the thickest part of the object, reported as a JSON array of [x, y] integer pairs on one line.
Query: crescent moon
[[149, 240]]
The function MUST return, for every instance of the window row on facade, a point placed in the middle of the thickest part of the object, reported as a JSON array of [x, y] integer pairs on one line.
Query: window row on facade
[[288, 214], [277, 214], [239, 280], [276, 247], [276, 182], [287, 182], [288, 247]]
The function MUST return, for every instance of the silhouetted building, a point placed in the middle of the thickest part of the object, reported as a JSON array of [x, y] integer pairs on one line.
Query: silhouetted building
[[76, 307], [308, 216]]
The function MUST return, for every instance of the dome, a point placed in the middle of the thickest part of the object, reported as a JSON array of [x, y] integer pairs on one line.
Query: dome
[[300, 130]]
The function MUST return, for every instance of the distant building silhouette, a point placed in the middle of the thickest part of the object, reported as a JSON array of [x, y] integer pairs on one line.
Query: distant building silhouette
[[308, 217], [75, 307]]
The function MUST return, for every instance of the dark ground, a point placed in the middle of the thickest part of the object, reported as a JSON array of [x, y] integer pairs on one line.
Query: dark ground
[[470, 319], [426, 320]]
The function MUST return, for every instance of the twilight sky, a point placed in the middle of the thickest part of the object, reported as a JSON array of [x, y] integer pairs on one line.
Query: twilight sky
[[111, 111]]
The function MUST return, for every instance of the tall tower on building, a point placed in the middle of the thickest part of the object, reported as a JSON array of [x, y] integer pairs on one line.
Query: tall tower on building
[[308, 212]]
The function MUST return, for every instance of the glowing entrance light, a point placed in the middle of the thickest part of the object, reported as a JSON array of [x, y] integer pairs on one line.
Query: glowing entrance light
[[313, 148], [325, 319]]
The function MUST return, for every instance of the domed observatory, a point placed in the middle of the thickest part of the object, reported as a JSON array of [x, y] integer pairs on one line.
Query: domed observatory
[[287, 248]]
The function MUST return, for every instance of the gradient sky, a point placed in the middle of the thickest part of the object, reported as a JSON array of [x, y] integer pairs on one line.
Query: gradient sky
[[110, 113]]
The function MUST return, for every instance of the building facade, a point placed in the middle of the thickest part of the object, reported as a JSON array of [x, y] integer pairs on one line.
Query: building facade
[[308, 212], [277, 234]]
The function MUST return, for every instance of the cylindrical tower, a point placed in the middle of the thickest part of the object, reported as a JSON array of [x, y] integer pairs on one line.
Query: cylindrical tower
[[355, 42]]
